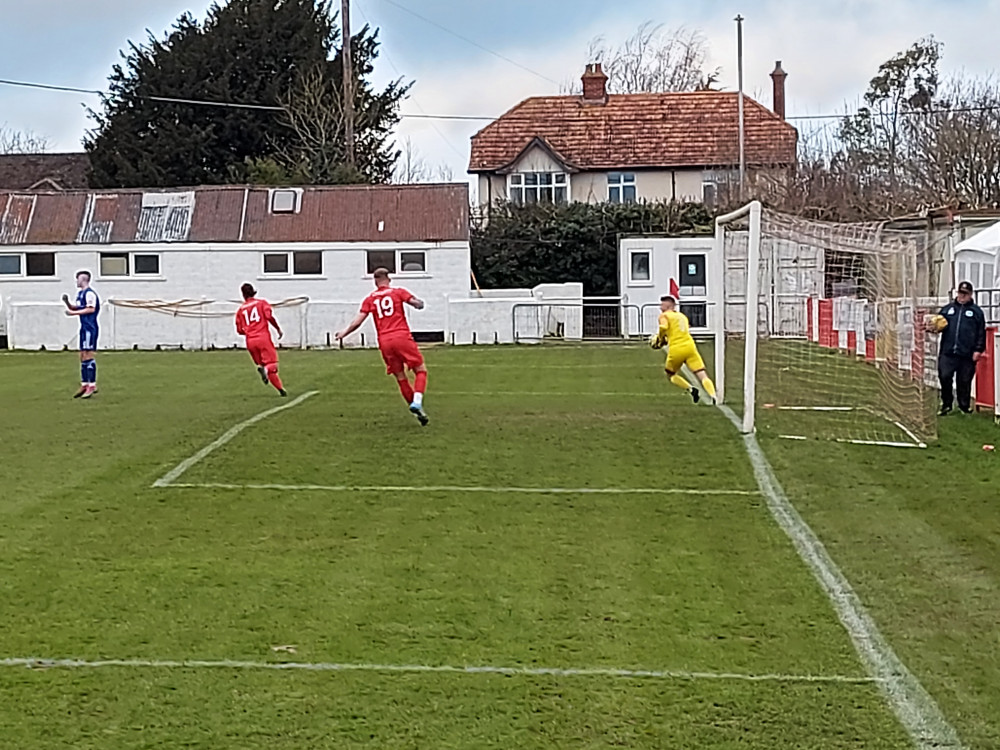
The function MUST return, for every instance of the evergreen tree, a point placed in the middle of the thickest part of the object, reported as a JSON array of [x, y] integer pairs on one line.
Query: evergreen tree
[[246, 51]]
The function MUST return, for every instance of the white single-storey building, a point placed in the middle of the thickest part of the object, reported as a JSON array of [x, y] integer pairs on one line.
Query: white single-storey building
[[168, 264], [648, 266]]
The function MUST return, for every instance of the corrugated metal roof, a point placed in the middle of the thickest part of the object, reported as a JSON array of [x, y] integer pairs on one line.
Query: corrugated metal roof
[[16, 219], [384, 213]]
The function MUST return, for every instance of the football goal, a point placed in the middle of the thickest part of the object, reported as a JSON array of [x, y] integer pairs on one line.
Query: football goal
[[823, 328]]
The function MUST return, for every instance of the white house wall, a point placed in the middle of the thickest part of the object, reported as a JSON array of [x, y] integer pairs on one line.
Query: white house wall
[[33, 315]]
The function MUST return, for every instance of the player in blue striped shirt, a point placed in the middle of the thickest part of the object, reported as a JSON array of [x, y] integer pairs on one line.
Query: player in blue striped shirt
[[87, 307]]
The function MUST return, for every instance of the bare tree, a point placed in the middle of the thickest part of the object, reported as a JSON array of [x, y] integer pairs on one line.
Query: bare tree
[[413, 168], [21, 141], [314, 112], [952, 150], [654, 59]]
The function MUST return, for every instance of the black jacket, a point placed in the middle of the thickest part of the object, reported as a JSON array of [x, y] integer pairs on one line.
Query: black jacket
[[966, 331]]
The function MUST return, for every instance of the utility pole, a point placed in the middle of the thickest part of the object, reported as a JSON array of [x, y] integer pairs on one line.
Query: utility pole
[[345, 33], [742, 128]]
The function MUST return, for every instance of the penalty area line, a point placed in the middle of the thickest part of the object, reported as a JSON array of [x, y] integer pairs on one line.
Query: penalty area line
[[175, 473], [649, 674], [461, 489]]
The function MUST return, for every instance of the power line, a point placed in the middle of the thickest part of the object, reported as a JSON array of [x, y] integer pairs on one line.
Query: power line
[[474, 43], [167, 99], [423, 115], [467, 118]]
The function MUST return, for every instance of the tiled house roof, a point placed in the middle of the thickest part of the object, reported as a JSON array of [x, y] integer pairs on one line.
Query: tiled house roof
[[44, 171], [633, 131]]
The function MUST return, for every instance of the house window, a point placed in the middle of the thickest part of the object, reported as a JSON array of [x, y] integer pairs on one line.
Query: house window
[[146, 265], [124, 264], [539, 187], [114, 264], [275, 262], [33, 264], [397, 261], [307, 263], [10, 265], [40, 264], [621, 187], [301, 263], [381, 259], [413, 261], [640, 270]]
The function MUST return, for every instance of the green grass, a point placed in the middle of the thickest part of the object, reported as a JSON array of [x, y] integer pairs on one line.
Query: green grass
[[95, 563]]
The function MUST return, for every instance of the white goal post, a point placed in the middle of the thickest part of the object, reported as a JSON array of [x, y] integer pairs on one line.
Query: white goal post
[[752, 211], [822, 329]]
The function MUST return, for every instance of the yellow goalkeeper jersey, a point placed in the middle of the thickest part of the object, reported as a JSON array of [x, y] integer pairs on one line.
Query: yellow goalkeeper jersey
[[675, 330]]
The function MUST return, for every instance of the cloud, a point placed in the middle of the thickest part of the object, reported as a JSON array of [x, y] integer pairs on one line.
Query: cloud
[[829, 49]]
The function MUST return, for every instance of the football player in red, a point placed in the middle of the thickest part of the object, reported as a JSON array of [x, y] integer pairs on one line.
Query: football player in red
[[252, 321], [395, 341]]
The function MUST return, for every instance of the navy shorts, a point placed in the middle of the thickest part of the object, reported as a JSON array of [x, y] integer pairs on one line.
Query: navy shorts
[[88, 339]]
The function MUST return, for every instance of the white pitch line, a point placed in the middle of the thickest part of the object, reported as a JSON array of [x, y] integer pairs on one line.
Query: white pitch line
[[460, 489], [913, 705], [655, 674], [557, 394], [167, 479]]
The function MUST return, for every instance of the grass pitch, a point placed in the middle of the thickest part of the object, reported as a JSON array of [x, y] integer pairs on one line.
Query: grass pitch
[[701, 589]]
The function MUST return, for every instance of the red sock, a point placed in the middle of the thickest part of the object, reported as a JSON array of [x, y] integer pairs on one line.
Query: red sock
[[420, 382], [406, 389], [272, 377]]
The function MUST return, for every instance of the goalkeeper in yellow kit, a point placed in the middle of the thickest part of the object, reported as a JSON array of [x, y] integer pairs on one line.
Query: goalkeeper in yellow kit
[[675, 334]]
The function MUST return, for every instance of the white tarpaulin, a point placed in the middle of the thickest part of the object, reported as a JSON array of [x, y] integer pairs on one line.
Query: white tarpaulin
[[976, 259]]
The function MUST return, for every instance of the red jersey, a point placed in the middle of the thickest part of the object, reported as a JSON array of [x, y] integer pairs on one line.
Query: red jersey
[[253, 317], [386, 306]]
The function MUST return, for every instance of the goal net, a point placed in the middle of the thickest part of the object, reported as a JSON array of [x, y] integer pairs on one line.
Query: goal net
[[824, 328]]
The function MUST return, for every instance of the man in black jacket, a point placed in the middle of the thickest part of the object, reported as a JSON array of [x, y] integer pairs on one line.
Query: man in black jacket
[[963, 342]]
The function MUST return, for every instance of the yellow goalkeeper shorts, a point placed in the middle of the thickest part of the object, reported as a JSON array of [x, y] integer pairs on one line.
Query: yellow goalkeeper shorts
[[686, 354]]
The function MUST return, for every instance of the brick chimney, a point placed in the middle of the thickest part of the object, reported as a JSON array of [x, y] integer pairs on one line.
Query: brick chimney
[[595, 84], [778, 79]]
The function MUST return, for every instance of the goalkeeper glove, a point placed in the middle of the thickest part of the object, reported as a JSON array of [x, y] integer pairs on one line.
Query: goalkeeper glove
[[654, 341]]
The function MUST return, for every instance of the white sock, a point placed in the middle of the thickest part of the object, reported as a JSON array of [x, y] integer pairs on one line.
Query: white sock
[[418, 400]]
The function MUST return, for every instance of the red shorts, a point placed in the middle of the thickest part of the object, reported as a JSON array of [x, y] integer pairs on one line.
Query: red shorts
[[400, 353], [262, 351]]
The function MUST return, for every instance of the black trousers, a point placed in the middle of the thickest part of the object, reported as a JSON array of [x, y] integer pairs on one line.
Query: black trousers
[[963, 370]]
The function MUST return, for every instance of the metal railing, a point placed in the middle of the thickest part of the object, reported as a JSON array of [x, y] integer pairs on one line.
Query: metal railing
[[590, 319]]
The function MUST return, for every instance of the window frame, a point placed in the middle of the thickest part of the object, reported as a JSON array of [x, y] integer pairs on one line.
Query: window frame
[[396, 267], [537, 182], [297, 203], [21, 266], [290, 272], [27, 267], [622, 182], [632, 253], [130, 272]]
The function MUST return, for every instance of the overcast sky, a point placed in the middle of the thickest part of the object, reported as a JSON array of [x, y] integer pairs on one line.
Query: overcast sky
[[830, 49]]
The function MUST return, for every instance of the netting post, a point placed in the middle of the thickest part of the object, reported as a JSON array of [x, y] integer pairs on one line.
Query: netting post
[[752, 297], [719, 263]]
